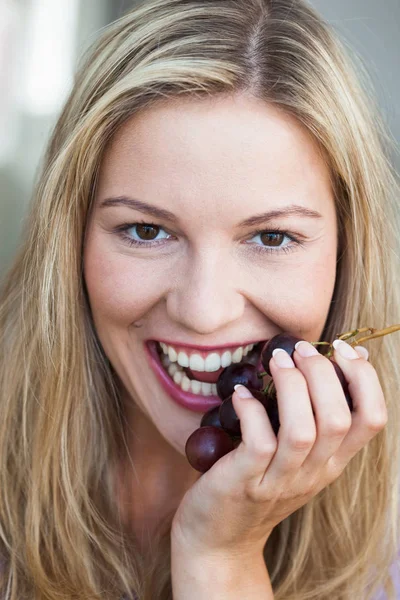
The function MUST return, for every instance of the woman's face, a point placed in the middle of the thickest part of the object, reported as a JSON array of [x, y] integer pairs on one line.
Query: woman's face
[[201, 276]]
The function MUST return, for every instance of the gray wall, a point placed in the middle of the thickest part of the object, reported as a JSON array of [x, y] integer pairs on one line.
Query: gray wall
[[371, 28]]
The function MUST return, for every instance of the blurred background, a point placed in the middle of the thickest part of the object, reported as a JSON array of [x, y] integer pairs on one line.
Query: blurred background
[[41, 40]]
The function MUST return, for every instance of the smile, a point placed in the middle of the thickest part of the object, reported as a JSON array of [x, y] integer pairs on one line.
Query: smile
[[193, 388]]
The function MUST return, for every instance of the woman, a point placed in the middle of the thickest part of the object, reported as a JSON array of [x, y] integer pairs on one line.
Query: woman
[[186, 122]]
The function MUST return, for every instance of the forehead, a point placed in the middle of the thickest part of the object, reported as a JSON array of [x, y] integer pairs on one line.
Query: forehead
[[214, 149]]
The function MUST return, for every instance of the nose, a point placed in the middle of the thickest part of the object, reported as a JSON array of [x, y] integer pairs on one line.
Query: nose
[[205, 297]]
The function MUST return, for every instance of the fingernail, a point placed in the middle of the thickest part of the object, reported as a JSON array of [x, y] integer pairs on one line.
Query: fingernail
[[306, 349], [345, 349], [242, 391], [282, 358], [362, 351]]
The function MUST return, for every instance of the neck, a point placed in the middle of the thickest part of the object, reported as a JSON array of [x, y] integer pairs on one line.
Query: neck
[[153, 479]]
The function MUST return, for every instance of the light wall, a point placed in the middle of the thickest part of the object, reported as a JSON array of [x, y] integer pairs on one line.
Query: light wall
[[40, 42]]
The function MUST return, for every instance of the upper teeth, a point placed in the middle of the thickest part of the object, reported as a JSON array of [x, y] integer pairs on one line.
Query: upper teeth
[[212, 362]]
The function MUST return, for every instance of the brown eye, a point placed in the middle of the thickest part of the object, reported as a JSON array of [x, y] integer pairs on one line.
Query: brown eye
[[147, 232], [273, 238]]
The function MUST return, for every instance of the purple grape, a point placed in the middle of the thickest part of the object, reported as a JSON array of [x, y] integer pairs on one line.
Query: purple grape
[[206, 445], [211, 417], [230, 421], [286, 341], [228, 417], [259, 395], [270, 404], [243, 373]]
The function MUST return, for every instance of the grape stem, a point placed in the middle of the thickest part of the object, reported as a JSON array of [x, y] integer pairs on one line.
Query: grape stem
[[269, 387], [374, 333]]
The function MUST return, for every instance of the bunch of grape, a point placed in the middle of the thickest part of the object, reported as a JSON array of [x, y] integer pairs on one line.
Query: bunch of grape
[[219, 431]]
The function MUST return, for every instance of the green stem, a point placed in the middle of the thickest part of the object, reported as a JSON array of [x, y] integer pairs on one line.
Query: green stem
[[267, 389]]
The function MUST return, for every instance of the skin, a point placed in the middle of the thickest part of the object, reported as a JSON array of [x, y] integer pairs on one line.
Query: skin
[[215, 163]]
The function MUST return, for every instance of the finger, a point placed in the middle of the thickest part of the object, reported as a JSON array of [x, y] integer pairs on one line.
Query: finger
[[370, 413], [362, 352], [297, 432], [332, 414], [258, 445]]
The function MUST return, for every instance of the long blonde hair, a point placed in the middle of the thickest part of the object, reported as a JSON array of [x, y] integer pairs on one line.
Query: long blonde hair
[[60, 411]]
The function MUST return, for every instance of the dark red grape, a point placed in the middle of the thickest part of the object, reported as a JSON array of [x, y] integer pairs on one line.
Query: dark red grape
[[206, 445], [259, 395], [253, 357], [270, 404], [286, 341], [228, 417], [211, 417], [243, 373], [344, 384], [230, 421]]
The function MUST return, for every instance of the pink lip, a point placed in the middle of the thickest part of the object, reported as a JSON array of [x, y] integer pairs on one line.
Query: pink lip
[[193, 402]]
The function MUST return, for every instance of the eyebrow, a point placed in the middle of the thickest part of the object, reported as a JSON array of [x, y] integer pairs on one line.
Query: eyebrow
[[162, 213]]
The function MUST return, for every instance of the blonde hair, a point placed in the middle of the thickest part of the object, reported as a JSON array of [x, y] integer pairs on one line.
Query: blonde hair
[[60, 532]]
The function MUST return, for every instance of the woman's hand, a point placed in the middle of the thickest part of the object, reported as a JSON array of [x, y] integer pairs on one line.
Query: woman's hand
[[232, 508]]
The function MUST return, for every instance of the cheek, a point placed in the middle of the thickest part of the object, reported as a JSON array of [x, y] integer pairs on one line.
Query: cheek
[[118, 293], [303, 296]]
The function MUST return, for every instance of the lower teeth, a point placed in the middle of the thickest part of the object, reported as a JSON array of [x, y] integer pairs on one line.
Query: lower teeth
[[177, 373]]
